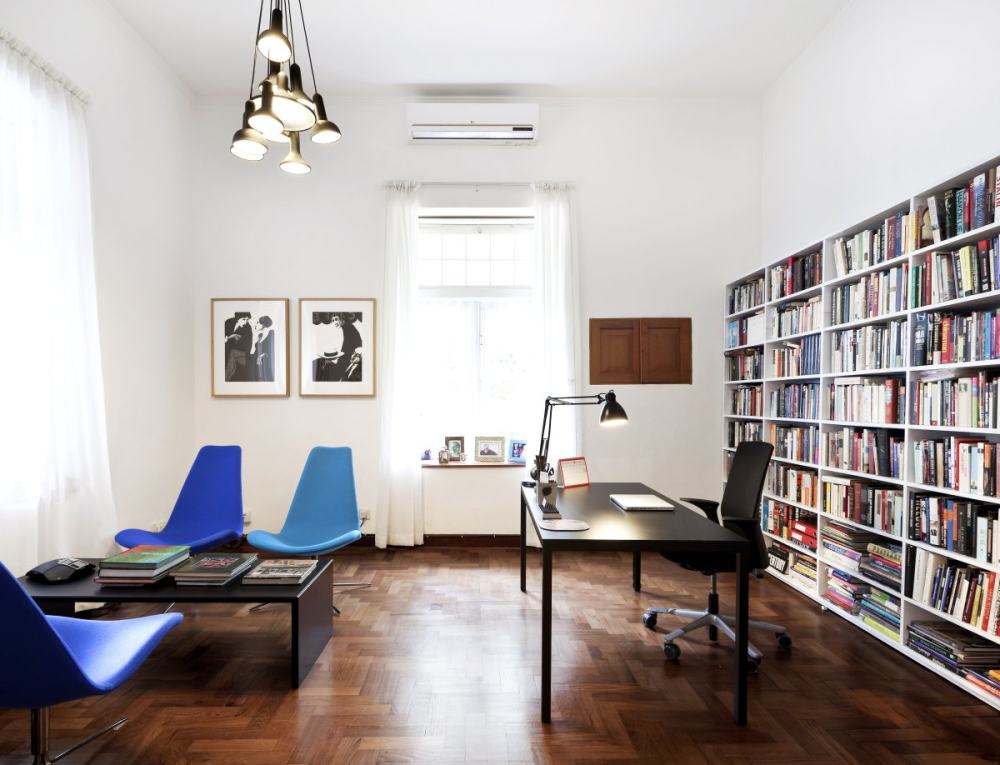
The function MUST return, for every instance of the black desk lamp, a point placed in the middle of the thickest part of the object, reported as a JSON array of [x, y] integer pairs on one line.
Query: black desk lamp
[[612, 415]]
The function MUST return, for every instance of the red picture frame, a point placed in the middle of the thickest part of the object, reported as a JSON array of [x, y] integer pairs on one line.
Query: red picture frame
[[576, 465]]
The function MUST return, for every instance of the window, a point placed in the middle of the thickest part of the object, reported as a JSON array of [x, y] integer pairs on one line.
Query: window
[[475, 294]]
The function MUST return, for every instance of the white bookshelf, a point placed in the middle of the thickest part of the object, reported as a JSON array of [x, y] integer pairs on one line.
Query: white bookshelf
[[910, 609]]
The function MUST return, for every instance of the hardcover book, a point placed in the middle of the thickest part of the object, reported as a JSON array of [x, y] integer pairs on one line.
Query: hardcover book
[[146, 557]]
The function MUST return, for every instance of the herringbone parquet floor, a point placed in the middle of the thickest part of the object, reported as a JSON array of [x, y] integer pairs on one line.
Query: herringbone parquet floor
[[438, 663]]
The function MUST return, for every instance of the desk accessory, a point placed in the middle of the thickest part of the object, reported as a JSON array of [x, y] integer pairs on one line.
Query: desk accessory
[[60, 570], [563, 524], [640, 502], [573, 472]]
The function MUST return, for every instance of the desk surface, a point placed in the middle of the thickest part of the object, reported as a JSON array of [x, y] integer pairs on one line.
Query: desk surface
[[682, 529]]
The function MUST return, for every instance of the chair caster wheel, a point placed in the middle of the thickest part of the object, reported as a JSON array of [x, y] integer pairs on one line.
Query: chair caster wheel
[[649, 619], [672, 651], [753, 665], [784, 640]]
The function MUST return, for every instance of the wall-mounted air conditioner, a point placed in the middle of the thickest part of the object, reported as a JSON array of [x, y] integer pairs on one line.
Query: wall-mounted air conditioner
[[482, 123]]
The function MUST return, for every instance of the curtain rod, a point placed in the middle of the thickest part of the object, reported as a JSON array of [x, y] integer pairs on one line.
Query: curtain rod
[[43, 66], [525, 184]]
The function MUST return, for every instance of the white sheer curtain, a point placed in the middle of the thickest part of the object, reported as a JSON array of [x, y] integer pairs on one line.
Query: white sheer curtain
[[55, 484], [557, 312], [399, 517]]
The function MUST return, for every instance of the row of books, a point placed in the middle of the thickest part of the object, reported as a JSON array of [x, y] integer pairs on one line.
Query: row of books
[[844, 591], [795, 442], [796, 274], [970, 270], [143, 564], [745, 365], [874, 505], [867, 248], [797, 400], [738, 431], [793, 359], [881, 611], [971, 401], [967, 593], [947, 337], [795, 317], [958, 525], [747, 400], [792, 483], [963, 209], [876, 400], [749, 329], [791, 523], [747, 295], [865, 450], [870, 296], [969, 656], [963, 464], [862, 552], [873, 346]]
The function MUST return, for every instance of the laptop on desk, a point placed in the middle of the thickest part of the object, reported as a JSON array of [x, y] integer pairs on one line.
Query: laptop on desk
[[632, 503]]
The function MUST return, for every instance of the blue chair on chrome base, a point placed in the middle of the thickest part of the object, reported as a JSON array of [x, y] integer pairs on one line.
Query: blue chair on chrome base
[[209, 510], [46, 660], [323, 516]]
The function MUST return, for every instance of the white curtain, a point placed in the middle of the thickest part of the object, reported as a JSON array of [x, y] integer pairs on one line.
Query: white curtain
[[55, 483], [399, 517], [556, 312]]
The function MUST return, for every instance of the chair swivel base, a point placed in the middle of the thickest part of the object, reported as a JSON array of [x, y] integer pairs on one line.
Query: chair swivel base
[[40, 737]]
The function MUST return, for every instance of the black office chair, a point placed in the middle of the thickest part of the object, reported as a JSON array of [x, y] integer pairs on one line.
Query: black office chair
[[740, 513]]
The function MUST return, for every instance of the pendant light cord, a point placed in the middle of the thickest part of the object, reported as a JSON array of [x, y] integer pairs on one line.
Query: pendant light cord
[[291, 36], [253, 65], [305, 33]]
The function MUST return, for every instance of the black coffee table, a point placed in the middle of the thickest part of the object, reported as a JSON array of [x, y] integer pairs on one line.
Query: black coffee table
[[311, 604]]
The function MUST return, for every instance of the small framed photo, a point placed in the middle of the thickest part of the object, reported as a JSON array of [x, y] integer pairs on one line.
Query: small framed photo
[[249, 341], [515, 452], [455, 446], [337, 347], [489, 448]]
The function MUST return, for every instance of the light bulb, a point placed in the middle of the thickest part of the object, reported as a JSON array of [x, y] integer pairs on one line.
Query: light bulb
[[293, 162]]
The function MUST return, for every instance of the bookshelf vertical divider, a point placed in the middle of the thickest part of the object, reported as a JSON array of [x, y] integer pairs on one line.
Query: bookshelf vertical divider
[[754, 325]]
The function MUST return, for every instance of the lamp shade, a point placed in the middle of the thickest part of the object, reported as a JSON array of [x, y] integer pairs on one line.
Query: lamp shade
[[248, 143], [324, 131], [263, 118], [272, 42], [613, 414], [293, 162], [295, 115]]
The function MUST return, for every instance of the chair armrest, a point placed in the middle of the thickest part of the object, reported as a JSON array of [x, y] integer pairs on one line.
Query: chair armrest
[[708, 506]]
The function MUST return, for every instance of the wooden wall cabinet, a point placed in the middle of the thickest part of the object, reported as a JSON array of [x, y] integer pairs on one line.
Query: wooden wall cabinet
[[640, 351]]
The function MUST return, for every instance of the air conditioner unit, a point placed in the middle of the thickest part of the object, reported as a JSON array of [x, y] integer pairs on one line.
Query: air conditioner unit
[[482, 123]]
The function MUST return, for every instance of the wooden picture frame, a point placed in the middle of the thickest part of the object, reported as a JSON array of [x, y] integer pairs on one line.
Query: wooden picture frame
[[337, 354], [493, 446], [249, 347], [454, 452]]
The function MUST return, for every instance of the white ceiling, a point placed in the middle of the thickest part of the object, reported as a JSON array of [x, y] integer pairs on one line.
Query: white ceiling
[[499, 47]]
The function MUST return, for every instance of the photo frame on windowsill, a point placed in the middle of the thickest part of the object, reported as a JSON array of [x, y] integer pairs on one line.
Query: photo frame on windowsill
[[455, 446], [573, 472], [490, 448]]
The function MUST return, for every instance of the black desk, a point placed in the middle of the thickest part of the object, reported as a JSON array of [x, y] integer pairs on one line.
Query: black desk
[[680, 530], [311, 604]]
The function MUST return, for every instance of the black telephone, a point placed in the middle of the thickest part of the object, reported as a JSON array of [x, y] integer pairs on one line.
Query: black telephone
[[60, 570]]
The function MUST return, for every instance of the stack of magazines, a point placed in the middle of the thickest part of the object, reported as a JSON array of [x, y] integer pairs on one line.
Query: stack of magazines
[[281, 571], [143, 564], [213, 569]]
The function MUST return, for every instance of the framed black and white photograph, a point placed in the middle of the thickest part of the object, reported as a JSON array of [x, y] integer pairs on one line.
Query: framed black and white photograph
[[455, 446], [250, 347], [337, 347], [489, 448]]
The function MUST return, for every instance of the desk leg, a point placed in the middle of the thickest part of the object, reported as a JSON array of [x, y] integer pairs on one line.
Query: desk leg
[[637, 571], [524, 545], [742, 636], [312, 625], [546, 634]]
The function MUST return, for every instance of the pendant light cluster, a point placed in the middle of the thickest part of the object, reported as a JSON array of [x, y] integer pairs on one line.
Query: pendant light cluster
[[278, 109]]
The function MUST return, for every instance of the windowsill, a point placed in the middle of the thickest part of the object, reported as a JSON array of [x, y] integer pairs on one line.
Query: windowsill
[[432, 464]]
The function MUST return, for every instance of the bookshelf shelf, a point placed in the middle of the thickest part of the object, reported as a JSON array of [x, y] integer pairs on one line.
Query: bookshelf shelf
[[744, 347], [899, 229], [858, 575], [742, 417], [755, 381]]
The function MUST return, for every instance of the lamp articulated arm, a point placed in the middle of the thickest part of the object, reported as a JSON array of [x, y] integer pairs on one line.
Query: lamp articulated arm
[[542, 466]]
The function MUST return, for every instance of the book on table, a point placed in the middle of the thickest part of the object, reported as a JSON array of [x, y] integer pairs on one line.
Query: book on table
[[143, 564], [213, 569], [281, 571]]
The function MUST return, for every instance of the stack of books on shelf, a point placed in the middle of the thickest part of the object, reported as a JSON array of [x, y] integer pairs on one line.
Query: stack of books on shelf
[[968, 465], [747, 400], [958, 525], [844, 546], [881, 612], [865, 450], [797, 316], [213, 569], [745, 331], [880, 507], [745, 365], [803, 569], [844, 591], [968, 594], [800, 357], [966, 402], [796, 274], [875, 400], [799, 401], [873, 346], [898, 233], [872, 295], [281, 571], [883, 562], [795, 442], [738, 431], [794, 484], [143, 564], [964, 208], [970, 270], [747, 295], [787, 522], [949, 337], [958, 651]]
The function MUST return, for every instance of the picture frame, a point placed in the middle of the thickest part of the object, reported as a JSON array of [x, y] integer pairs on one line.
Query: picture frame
[[337, 347], [490, 449], [515, 451], [249, 347], [455, 446]]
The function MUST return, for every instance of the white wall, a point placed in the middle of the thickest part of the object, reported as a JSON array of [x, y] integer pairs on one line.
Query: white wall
[[891, 97], [138, 126], [667, 207]]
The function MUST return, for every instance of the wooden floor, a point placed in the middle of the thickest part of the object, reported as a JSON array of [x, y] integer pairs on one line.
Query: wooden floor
[[438, 662]]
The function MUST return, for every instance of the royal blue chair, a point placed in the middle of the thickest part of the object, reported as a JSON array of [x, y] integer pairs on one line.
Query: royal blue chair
[[209, 509], [323, 516], [46, 660]]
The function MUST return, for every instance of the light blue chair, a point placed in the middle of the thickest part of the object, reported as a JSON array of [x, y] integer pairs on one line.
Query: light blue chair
[[323, 516], [209, 510], [47, 660]]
